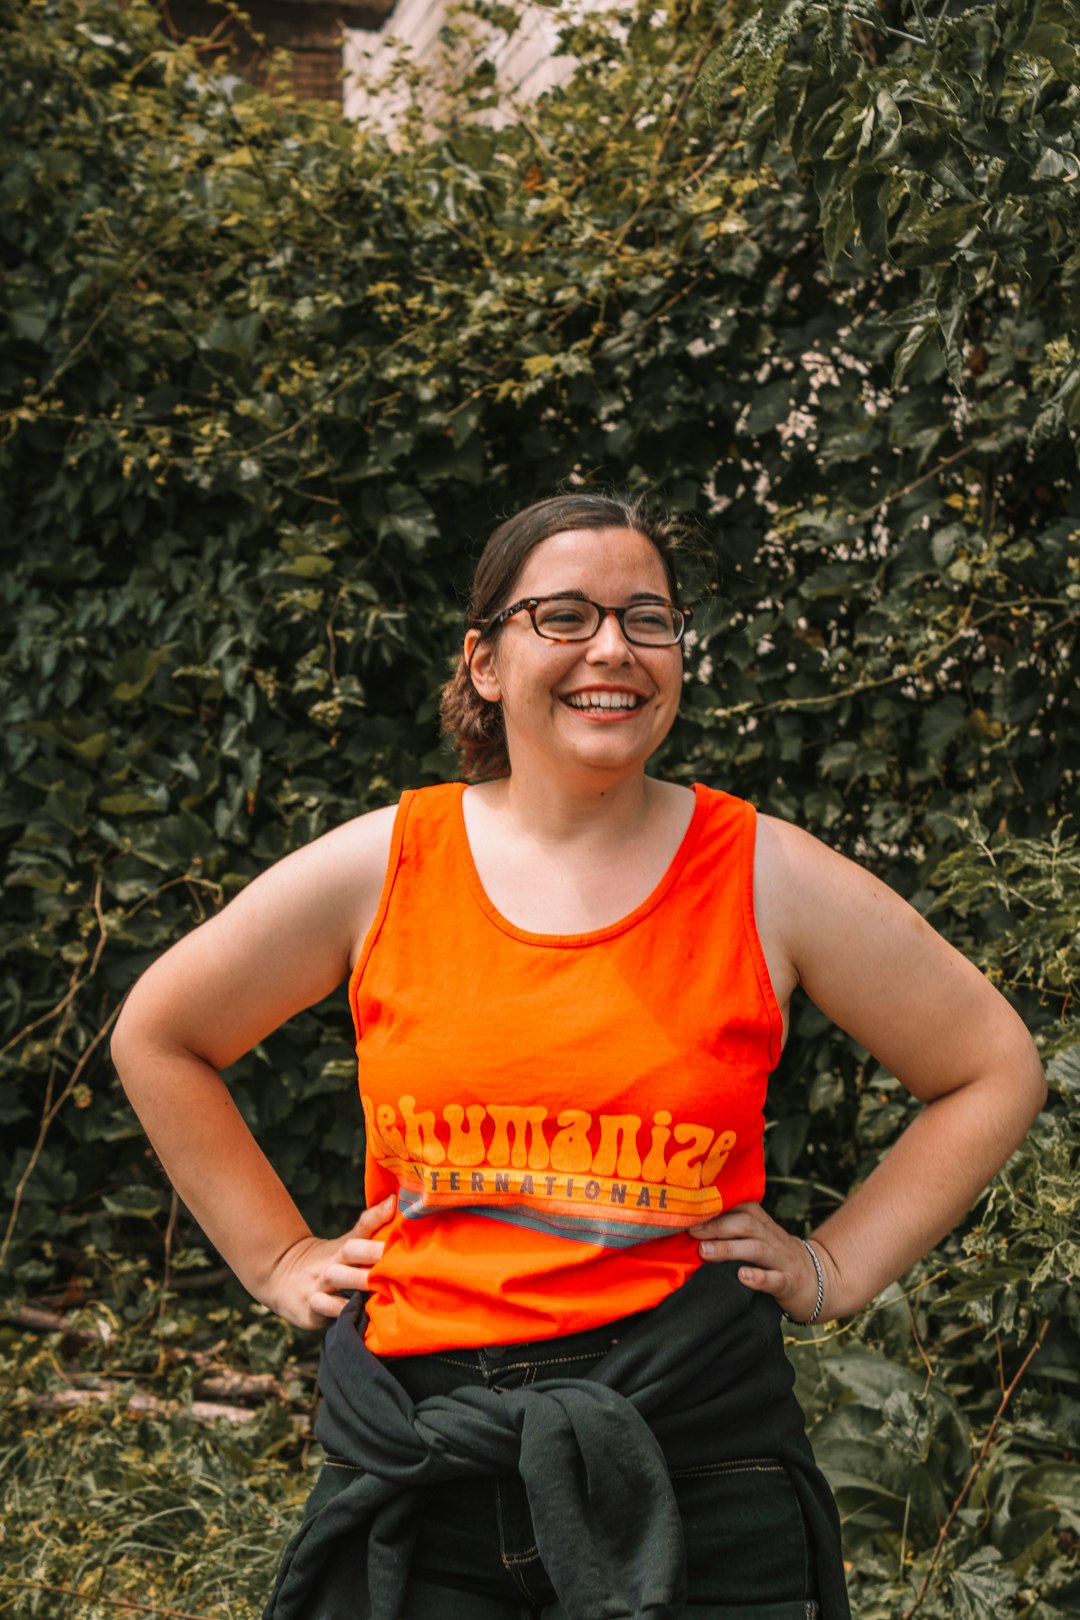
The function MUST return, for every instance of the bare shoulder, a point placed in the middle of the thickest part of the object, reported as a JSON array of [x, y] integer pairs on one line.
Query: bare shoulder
[[335, 880], [873, 964], [784, 860], [812, 895], [285, 941]]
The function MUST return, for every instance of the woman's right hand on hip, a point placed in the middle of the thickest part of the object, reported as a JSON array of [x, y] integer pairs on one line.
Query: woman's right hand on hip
[[313, 1279]]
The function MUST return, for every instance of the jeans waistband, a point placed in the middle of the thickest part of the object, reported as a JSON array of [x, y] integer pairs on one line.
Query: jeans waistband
[[591, 1342]]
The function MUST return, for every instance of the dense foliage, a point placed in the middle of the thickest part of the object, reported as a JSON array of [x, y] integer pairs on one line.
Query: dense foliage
[[807, 273]]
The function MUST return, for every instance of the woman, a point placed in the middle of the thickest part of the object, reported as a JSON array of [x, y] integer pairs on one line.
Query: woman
[[557, 1384]]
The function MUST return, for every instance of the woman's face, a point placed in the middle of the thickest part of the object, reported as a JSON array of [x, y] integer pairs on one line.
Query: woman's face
[[602, 703]]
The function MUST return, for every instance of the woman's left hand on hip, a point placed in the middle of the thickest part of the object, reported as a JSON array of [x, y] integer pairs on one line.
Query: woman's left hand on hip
[[770, 1260]]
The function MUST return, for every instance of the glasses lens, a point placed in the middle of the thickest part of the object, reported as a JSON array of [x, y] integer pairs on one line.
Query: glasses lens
[[566, 619], [652, 623]]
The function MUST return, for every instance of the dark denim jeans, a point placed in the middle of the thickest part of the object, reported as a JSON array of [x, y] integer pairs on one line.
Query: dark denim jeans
[[748, 1554]]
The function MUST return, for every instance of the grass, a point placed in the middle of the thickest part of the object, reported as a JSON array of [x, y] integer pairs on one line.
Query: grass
[[110, 1512]]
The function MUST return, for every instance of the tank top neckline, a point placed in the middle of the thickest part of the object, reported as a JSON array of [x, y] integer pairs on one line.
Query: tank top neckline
[[594, 936]]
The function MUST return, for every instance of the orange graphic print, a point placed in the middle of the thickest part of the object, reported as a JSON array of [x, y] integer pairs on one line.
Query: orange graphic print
[[615, 1177]]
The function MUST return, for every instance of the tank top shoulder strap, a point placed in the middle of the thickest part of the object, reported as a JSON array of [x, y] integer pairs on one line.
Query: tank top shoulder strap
[[424, 847], [720, 860], [717, 887]]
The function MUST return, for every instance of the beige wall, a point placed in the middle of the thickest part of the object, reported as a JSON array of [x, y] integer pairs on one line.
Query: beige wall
[[526, 64]]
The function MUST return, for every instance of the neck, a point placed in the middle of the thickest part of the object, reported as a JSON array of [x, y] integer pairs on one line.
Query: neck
[[577, 808]]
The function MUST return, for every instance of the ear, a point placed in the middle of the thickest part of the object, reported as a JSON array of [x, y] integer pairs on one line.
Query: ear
[[480, 662]]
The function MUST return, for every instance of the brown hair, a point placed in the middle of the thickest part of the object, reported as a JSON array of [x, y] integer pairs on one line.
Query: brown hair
[[476, 724]]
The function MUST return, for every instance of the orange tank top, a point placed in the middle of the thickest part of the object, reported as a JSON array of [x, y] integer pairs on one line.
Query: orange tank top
[[553, 1110]]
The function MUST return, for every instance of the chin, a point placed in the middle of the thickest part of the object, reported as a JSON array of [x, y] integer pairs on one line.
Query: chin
[[612, 757]]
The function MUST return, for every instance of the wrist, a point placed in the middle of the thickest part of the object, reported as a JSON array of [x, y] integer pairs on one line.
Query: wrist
[[817, 1307], [833, 1305], [270, 1281]]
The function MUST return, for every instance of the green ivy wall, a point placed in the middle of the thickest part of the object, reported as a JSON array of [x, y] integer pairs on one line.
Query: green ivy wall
[[266, 384]]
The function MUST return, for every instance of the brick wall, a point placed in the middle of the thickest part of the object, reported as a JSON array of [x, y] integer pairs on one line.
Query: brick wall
[[310, 31]]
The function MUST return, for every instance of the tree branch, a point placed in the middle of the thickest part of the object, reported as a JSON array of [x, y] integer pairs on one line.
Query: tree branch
[[143, 1405], [96, 1597], [974, 1472]]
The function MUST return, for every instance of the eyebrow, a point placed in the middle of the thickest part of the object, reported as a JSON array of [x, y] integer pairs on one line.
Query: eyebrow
[[636, 596]]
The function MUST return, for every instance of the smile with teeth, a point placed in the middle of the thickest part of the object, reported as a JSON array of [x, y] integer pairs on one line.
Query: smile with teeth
[[603, 700]]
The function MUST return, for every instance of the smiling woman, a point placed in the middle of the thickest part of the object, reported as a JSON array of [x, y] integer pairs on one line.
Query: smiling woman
[[556, 1384], [475, 719], [556, 687]]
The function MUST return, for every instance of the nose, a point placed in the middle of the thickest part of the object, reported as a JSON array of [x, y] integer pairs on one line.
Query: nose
[[608, 644]]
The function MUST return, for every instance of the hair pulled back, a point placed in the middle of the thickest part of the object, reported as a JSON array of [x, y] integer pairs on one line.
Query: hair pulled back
[[475, 723]]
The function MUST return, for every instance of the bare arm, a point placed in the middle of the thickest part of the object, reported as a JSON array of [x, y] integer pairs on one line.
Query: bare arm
[[874, 966], [283, 943]]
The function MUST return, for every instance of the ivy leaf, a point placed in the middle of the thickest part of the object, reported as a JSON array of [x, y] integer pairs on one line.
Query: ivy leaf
[[409, 517], [134, 671], [135, 1203], [983, 1585], [309, 566]]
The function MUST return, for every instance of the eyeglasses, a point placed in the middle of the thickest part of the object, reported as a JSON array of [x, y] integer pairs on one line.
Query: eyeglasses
[[573, 618]]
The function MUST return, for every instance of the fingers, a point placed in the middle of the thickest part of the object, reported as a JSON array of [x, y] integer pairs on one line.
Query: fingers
[[770, 1260], [327, 1305], [360, 1251], [337, 1281], [346, 1270], [743, 1232], [351, 1276], [373, 1218], [765, 1282], [319, 1274]]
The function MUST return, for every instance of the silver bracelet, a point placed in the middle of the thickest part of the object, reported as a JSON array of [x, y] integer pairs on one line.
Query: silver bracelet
[[806, 1321]]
